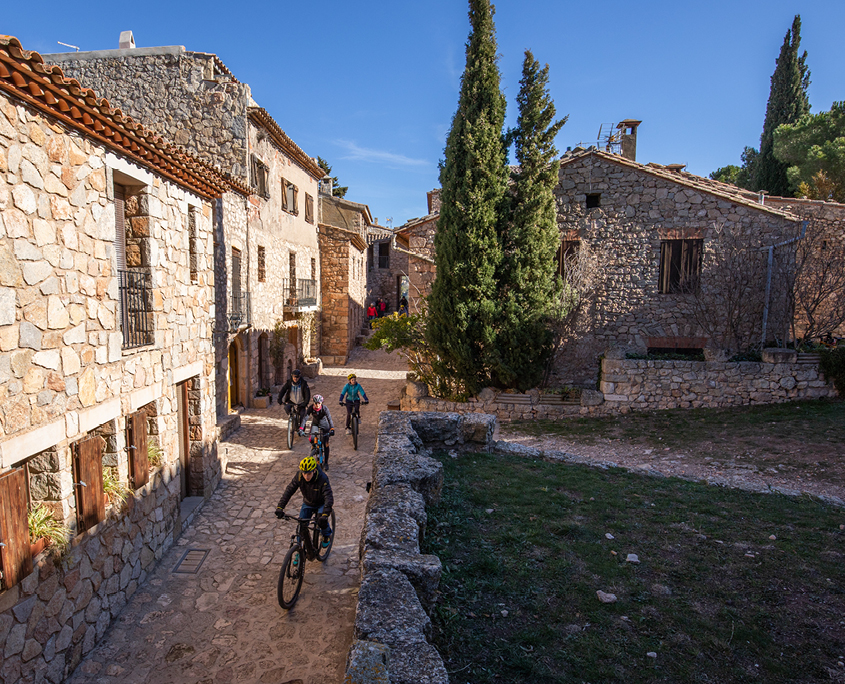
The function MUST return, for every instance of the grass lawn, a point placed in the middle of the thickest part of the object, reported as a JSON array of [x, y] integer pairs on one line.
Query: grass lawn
[[713, 599]]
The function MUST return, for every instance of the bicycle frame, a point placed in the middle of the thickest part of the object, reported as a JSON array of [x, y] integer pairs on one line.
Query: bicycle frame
[[304, 532]]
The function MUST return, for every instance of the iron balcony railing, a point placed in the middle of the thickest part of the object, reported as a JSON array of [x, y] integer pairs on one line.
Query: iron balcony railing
[[300, 292], [240, 311], [136, 310]]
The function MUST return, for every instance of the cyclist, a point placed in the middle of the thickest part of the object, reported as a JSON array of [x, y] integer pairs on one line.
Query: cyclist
[[317, 497], [296, 392], [321, 417], [353, 392]]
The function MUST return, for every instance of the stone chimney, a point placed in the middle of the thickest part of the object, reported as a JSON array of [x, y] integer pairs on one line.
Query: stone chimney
[[127, 40], [628, 133], [326, 186]]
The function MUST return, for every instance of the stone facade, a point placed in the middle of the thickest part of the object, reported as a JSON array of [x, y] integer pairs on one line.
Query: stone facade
[[399, 584], [416, 240], [77, 362], [269, 238], [385, 268], [343, 255]]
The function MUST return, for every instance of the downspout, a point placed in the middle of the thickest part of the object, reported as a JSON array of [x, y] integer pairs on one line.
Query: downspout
[[771, 250]]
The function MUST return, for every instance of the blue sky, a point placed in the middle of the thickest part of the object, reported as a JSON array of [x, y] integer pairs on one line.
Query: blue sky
[[372, 85]]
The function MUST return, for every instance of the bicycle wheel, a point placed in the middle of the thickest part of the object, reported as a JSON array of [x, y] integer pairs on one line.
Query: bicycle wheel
[[291, 429], [323, 553], [355, 431], [290, 577]]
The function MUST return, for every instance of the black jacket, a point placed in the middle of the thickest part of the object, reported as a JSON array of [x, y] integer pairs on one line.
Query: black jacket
[[284, 395], [316, 493]]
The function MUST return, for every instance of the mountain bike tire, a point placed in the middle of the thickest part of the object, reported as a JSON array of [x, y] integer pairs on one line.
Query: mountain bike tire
[[291, 429], [291, 576], [322, 553], [355, 432]]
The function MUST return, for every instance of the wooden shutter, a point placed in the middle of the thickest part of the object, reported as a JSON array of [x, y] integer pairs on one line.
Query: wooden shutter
[[120, 227], [15, 558], [136, 440], [88, 468], [285, 195]]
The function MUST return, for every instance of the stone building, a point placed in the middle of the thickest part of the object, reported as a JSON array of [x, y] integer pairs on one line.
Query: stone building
[[387, 276], [266, 246], [343, 230], [415, 246], [106, 329]]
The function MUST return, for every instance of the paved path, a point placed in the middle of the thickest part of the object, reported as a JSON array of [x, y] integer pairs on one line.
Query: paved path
[[224, 624]]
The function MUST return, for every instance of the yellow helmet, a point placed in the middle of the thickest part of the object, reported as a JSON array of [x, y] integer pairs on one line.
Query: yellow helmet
[[307, 464], [350, 376]]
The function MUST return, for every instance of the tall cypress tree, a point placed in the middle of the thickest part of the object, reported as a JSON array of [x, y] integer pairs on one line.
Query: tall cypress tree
[[462, 306], [787, 103], [530, 236]]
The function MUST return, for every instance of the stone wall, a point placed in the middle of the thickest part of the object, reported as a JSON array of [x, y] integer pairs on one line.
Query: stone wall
[[182, 95], [421, 267], [382, 282], [399, 584], [57, 614]]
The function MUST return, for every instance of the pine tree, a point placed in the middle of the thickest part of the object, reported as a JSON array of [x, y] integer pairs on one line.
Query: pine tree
[[462, 307], [787, 103], [530, 236], [338, 190]]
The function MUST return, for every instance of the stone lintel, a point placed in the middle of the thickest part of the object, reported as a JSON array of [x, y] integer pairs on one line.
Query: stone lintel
[[21, 447], [96, 416], [184, 372]]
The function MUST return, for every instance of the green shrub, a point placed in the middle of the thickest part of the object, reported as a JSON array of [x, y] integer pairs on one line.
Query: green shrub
[[42, 524], [116, 491], [832, 364], [155, 456]]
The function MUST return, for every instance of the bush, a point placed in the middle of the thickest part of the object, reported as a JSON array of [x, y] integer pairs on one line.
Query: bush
[[155, 456], [832, 364], [116, 491], [42, 524]]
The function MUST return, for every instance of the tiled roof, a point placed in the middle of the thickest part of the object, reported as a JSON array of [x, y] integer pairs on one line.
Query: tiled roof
[[24, 75], [411, 223], [261, 116], [722, 190]]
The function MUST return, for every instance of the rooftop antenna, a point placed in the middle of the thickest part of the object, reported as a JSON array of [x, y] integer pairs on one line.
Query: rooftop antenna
[[389, 222], [609, 139], [68, 45]]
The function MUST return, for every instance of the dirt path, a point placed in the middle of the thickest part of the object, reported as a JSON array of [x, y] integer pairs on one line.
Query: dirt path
[[706, 462], [223, 623]]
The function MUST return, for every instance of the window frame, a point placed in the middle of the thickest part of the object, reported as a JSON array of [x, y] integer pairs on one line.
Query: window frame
[[679, 267]]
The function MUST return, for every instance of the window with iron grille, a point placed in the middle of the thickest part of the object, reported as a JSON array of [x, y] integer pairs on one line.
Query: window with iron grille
[[261, 271], [680, 266], [309, 208], [192, 242], [259, 177]]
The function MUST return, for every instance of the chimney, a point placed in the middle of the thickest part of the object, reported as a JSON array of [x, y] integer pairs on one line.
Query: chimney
[[628, 133], [326, 186], [675, 168], [127, 40]]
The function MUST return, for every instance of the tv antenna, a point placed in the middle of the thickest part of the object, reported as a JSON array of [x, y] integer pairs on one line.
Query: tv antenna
[[68, 45]]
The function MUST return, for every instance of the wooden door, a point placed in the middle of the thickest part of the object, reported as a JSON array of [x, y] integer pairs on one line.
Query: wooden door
[[136, 440], [184, 437], [15, 558], [88, 469], [234, 397]]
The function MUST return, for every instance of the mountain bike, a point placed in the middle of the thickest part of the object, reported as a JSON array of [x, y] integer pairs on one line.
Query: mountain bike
[[355, 422], [304, 545], [318, 447], [294, 421]]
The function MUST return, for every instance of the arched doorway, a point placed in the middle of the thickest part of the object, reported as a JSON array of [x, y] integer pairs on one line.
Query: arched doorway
[[234, 378]]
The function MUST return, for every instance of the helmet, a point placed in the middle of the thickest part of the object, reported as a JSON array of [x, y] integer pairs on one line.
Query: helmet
[[296, 373], [350, 376], [318, 398], [307, 464]]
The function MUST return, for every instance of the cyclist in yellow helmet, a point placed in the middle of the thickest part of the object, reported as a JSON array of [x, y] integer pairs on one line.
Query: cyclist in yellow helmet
[[317, 497]]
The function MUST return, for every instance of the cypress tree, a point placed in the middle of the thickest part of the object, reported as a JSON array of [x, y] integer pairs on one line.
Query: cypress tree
[[787, 103], [530, 237], [462, 307]]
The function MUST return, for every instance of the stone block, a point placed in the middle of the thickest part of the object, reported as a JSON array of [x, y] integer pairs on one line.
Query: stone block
[[416, 389], [591, 397], [422, 473], [434, 427], [423, 571], [387, 529], [389, 611], [367, 663], [416, 664], [777, 355]]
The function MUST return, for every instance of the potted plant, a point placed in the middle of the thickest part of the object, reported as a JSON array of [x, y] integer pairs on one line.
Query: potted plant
[[155, 456], [116, 491], [44, 530]]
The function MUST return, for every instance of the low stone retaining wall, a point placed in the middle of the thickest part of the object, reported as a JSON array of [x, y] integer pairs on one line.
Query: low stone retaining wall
[[642, 385], [647, 385], [399, 584], [56, 615]]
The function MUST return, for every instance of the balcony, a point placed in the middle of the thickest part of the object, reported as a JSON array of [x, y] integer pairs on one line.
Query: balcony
[[136, 314], [240, 311], [301, 294]]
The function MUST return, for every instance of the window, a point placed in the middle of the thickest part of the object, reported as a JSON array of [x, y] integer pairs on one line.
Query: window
[[593, 200], [259, 177], [384, 255], [236, 273], [680, 266], [566, 255], [261, 266], [289, 191], [309, 208], [192, 242]]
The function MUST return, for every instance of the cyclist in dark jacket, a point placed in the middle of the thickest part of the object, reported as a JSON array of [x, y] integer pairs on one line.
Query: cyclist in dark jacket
[[296, 392], [317, 497]]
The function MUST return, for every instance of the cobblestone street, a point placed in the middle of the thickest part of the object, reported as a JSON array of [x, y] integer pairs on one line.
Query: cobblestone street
[[223, 624]]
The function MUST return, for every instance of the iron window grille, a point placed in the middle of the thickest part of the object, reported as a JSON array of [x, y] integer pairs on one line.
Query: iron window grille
[[136, 311], [302, 292], [240, 311]]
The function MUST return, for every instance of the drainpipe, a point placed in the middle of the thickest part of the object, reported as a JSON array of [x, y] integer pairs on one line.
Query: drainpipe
[[771, 250]]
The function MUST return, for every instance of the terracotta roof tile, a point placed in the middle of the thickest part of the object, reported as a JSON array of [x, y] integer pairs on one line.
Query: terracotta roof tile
[[45, 87], [262, 117]]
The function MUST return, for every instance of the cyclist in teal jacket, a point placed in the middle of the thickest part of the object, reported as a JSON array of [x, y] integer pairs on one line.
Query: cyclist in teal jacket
[[353, 393]]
